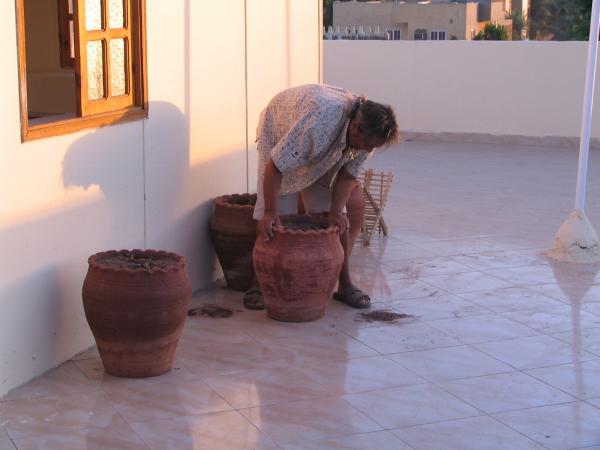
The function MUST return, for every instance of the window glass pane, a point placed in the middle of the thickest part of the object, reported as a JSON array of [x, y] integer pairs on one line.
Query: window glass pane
[[117, 18], [118, 82], [93, 14], [71, 39], [95, 68]]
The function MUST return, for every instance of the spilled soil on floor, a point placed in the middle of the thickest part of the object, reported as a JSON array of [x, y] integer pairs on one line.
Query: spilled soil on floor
[[383, 315], [212, 311]]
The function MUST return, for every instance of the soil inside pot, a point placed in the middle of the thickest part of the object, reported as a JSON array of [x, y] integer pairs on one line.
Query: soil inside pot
[[242, 200], [303, 225], [383, 315], [134, 260]]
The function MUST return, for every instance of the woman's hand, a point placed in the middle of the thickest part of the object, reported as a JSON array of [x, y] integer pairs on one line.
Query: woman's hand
[[265, 225], [339, 220]]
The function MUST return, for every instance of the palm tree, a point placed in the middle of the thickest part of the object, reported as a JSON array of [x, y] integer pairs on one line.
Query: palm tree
[[492, 32], [520, 24], [560, 20]]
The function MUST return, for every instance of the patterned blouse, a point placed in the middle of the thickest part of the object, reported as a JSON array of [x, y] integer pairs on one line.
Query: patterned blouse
[[303, 129]]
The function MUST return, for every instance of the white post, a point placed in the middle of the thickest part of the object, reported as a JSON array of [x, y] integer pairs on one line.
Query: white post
[[588, 101], [576, 240]]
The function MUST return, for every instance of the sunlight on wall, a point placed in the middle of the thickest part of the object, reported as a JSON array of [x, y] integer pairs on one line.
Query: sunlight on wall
[[29, 206], [217, 84]]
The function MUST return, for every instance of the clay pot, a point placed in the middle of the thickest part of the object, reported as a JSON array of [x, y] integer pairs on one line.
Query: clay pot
[[233, 232], [298, 269], [135, 303]]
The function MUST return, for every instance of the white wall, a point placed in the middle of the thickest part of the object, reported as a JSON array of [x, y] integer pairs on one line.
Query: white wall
[[145, 183], [524, 88]]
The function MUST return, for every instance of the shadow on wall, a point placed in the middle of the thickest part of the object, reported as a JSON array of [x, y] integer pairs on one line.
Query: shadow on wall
[[178, 198], [34, 298]]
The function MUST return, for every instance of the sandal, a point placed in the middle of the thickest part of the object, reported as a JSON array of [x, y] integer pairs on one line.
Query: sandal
[[253, 299], [353, 296]]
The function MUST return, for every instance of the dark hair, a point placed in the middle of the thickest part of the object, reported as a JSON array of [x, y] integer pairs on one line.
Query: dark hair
[[376, 119]]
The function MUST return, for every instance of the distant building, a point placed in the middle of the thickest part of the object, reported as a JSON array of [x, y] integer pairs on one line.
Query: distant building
[[418, 20]]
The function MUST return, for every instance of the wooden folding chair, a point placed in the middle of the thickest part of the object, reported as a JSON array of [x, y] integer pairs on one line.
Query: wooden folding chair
[[375, 189]]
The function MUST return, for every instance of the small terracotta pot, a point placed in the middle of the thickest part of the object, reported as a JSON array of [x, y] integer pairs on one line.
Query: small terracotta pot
[[233, 232], [135, 303], [298, 269]]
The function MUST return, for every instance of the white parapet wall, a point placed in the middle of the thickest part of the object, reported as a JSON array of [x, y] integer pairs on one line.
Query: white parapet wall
[[521, 88]]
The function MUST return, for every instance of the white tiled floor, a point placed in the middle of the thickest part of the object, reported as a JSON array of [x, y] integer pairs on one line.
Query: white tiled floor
[[503, 351]]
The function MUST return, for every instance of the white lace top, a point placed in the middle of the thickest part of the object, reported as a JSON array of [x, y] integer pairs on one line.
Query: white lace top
[[303, 129]]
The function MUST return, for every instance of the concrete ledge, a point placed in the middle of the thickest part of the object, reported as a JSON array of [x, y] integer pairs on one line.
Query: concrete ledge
[[565, 142]]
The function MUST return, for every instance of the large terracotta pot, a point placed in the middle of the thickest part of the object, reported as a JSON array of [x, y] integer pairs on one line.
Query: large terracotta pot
[[135, 303], [298, 269], [233, 232]]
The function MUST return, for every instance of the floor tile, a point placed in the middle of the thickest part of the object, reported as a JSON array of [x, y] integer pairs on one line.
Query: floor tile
[[423, 403], [569, 293], [227, 358], [263, 329], [471, 330], [555, 319], [166, 400], [535, 351], [65, 379], [581, 380], [505, 392], [466, 282], [510, 299], [474, 433], [592, 307], [359, 375], [7, 445], [340, 317], [223, 431], [450, 363], [494, 260], [405, 251], [94, 370], [418, 268], [557, 427], [401, 289], [205, 331], [594, 401], [309, 420], [404, 338], [91, 352], [379, 440], [263, 387], [438, 307], [328, 346], [458, 247], [522, 276], [588, 339], [121, 437], [70, 412]]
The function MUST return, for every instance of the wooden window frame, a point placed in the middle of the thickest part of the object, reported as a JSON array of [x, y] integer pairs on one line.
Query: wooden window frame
[[64, 32], [93, 117]]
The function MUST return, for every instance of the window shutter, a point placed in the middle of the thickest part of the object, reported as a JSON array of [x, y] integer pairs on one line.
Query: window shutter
[[103, 55]]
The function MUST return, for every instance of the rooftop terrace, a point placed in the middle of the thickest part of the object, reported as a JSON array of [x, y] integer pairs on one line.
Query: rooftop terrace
[[503, 351]]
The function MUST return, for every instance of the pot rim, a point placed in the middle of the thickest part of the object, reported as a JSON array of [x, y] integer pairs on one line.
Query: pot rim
[[332, 229], [180, 261], [223, 201]]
